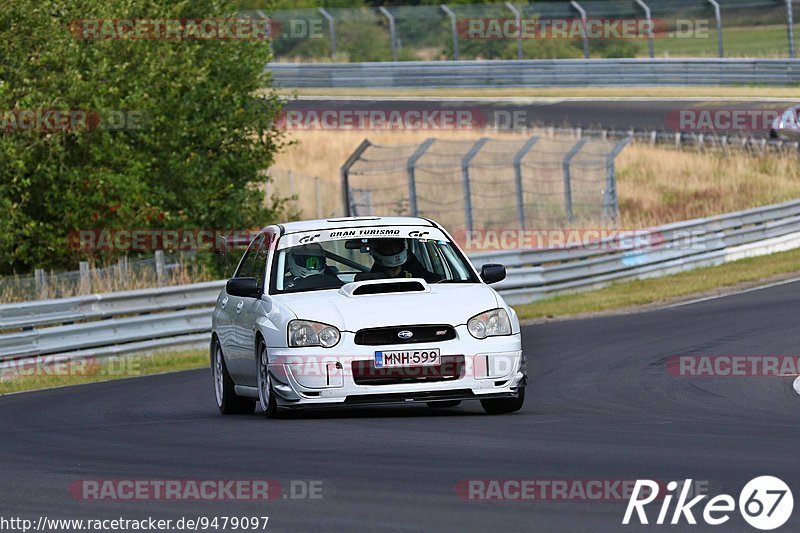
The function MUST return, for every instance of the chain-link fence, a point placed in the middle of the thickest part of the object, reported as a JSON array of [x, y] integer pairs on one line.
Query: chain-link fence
[[537, 30], [487, 183]]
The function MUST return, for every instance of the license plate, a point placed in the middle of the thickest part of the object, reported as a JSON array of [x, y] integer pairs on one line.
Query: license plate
[[407, 358]]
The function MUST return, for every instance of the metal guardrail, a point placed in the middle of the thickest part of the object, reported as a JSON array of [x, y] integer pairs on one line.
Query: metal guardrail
[[537, 73], [135, 321]]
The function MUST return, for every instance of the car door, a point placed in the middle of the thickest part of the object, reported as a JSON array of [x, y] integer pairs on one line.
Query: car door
[[226, 312], [247, 312]]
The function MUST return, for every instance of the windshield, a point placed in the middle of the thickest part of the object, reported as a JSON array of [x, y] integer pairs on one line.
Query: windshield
[[332, 262]]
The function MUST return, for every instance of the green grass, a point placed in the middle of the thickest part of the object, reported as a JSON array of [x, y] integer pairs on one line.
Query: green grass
[[758, 41], [666, 289], [28, 377]]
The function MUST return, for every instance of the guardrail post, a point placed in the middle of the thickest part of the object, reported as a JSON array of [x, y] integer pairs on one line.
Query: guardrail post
[[392, 31], [40, 280], [582, 12], [454, 28], [610, 200], [718, 16], [411, 168], [567, 179], [518, 157], [465, 161], [790, 27], [159, 260], [86, 280], [650, 36], [345, 174], [518, 18], [331, 29]]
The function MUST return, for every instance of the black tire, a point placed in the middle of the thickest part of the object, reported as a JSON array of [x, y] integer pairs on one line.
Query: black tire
[[227, 400], [449, 403], [501, 406], [266, 396]]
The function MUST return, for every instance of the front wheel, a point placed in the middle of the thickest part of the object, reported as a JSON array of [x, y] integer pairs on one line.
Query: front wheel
[[501, 406], [266, 396], [227, 400]]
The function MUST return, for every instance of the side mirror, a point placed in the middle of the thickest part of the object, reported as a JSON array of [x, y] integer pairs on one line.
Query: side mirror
[[243, 287], [492, 273]]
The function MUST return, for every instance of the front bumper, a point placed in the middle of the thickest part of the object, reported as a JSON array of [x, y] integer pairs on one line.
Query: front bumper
[[472, 369]]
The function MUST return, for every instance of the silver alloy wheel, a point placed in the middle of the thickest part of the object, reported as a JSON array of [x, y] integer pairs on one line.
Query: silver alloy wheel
[[218, 375], [263, 380]]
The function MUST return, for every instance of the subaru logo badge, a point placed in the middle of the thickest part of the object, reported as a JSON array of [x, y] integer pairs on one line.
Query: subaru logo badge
[[405, 334]]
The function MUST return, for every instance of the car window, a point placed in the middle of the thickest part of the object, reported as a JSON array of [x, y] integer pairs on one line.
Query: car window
[[254, 262], [331, 263]]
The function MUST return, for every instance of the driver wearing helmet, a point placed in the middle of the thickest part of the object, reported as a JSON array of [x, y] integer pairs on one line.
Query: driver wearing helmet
[[393, 260], [308, 268]]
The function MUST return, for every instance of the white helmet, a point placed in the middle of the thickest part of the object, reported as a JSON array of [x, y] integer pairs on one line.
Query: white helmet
[[306, 260], [390, 253]]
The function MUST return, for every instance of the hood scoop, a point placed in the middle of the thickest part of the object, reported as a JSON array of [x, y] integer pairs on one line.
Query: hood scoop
[[384, 286]]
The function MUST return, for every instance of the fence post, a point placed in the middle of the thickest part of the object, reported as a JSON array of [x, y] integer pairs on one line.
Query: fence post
[[345, 174], [610, 199], [567, 179], [454, 28], [411, 168], [518, 18], [518, 157], [465, 161], [86, 280], [40, 279], [718, 16], [790, 27], [650, 36], [122, 268], [392, 31], [269, 26], [318, 195], [159, 260], [331, 30], [582, 12]]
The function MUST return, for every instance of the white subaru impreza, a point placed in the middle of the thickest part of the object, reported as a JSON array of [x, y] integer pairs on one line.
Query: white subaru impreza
[[359, 311]]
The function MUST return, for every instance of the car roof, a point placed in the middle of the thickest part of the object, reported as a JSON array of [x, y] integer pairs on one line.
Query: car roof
[[351, 222]]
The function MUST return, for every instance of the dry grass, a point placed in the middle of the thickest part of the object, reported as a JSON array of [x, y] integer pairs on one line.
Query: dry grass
[[656, 185], [20, 289]]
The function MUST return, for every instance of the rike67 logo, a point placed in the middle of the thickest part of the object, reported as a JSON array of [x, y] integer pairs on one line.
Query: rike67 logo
[[765, 503]]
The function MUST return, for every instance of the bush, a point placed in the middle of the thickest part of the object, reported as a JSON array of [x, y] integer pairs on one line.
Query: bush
[[191, 161]]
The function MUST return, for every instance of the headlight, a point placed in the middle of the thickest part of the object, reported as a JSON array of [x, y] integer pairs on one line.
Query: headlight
[[489, 324], [307, 333]]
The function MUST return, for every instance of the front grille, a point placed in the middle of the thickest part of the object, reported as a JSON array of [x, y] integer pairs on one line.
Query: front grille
[[365, 373], [388, 335]]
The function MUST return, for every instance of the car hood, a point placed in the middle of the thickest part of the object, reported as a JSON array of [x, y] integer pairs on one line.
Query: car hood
[[445, 304]]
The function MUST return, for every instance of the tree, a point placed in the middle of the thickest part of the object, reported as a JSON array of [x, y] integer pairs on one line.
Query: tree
[[193, 141]]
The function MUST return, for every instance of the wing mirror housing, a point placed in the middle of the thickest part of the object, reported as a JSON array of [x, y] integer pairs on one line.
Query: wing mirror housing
[[243, 287], [492, 273]]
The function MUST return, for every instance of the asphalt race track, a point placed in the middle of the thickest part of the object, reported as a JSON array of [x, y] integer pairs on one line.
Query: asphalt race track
[[601, 406], [659, 114]]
